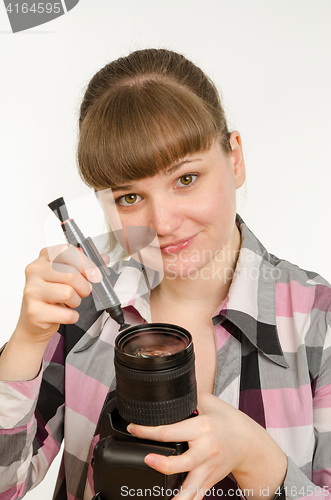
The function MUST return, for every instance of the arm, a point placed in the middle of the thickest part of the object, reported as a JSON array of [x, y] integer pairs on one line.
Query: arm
[[296, 483], [32, 373], [30, 432]]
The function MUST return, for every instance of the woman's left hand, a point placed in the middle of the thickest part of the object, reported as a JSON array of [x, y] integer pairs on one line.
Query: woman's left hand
[[221, 440]]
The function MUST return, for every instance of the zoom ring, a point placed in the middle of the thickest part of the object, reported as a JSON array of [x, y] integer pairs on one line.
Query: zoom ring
[[157, 413]]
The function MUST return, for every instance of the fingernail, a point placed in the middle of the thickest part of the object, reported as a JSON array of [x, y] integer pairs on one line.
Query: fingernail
[[93, 275], [130, 428], [150, 460]]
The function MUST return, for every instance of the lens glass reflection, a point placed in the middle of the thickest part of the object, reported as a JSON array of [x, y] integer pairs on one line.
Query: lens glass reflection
[[153, 344]]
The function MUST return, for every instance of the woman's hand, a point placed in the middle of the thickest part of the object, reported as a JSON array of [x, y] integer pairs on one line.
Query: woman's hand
[[55, 284], [221, 440]]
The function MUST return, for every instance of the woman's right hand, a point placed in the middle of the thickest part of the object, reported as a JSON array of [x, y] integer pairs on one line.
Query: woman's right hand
[[55, 284]]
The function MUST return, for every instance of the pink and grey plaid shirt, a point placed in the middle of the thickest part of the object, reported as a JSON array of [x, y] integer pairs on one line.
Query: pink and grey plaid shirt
[[273, 342]]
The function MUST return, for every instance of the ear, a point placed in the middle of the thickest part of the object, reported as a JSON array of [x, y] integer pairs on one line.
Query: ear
[[237, 159]]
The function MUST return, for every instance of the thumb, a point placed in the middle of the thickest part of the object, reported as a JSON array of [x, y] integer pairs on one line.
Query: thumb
[[105, 258], [93, 274]]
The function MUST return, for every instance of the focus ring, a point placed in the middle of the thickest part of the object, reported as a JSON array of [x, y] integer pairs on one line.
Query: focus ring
[[157, 413]]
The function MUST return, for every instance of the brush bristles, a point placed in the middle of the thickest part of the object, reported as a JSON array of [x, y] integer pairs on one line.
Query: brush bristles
[[59, 208]]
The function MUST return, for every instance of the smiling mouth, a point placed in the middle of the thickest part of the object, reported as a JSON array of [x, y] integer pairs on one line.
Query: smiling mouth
[[177, 246]]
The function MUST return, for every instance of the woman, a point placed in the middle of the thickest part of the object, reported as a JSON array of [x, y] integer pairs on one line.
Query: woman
[[155, 146]]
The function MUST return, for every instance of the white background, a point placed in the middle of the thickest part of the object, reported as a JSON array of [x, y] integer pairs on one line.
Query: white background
[[270, 59]]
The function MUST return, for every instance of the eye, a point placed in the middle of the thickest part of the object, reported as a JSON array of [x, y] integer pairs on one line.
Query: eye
[[186, 180], [128, 199]]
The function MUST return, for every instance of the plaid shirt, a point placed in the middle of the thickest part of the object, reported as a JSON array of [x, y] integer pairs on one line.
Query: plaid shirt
[[273, 363]]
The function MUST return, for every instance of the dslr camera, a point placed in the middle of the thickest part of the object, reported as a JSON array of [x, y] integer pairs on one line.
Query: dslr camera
[[155, 385]]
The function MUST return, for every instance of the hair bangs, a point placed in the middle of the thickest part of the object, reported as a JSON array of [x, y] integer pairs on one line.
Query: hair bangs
[[140, 128]]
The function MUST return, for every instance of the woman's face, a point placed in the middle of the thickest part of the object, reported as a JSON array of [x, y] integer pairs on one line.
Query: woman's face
[[191, 207]]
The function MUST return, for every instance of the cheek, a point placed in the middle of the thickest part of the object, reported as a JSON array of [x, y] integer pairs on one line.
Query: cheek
[[129, 219], [130, 233], [112, 215], [219, 207]]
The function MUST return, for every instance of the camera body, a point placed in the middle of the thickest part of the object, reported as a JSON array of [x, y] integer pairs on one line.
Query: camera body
[[119, 467], [155, 385]]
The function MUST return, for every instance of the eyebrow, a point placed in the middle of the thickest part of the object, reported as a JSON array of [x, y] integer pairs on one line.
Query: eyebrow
[[120, 188], [168, 171], [177, 166]]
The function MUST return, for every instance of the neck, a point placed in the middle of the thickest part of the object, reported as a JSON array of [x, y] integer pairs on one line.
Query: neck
[[209, 285]]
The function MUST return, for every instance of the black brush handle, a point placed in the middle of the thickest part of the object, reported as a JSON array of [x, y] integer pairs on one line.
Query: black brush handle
[[104, 290]]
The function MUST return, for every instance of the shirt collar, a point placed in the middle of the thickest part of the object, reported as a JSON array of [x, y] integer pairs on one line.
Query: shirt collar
[[250, 303]]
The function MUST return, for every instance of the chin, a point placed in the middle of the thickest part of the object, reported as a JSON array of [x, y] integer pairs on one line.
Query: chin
[[190, 270]]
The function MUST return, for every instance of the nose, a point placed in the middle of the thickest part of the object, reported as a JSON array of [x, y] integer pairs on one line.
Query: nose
[[165, 216]]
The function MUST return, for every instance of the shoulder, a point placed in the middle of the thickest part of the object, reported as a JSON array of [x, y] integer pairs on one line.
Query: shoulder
[[299, 298], [303, 314], [292, 271], [307, 290]]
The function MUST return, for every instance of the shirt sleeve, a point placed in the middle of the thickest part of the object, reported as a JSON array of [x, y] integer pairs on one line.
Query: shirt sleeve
[[31, 424], [296, 484]]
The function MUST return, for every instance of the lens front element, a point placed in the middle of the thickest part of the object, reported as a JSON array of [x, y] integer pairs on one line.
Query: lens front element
[[154, 343], [155, 375]]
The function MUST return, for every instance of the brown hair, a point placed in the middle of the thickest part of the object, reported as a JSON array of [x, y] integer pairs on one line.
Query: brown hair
[[143, 112]]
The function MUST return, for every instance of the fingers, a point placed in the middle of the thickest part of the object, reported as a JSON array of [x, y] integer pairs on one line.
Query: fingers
[[43, 317], [40, 273], [186, 430], [209, 457], [56, 282], [67, 275], [51, 294], [181, 431], [56, 293], [196, 484], [74, 258], [105, 258], [180, 463]]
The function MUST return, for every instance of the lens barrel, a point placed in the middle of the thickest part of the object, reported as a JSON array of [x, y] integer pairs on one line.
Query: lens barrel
[[155, 374]]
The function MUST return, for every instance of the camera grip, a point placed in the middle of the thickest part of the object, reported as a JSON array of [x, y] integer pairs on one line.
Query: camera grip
[[120, 470]]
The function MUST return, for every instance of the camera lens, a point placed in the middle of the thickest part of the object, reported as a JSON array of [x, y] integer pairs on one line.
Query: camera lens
[[155, 375]]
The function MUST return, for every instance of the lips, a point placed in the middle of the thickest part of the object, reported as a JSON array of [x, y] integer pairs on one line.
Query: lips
[[177, 246]]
